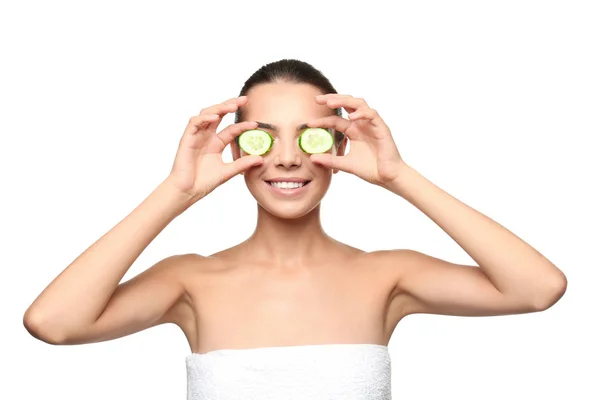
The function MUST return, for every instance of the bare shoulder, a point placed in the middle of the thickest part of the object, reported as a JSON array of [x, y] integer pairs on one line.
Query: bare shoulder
[[191, 271], [155, 296], [431, 285], [405, 267], [181, 272], [393, 262]]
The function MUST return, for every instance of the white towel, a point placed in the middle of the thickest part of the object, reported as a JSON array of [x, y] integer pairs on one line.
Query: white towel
[[307, 372]]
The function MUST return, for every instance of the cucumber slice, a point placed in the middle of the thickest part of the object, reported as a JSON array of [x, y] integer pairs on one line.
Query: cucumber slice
[[255, 142], [315, 140]]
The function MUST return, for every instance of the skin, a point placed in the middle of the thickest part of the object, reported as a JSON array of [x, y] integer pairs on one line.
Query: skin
[[289, 283]]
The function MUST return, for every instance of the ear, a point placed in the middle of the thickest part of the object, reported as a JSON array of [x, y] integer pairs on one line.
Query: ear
[[340, 150]]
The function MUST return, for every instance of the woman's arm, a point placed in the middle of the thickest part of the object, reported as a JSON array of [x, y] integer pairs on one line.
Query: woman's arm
[[511, 276], [85, 302], [76, 299]]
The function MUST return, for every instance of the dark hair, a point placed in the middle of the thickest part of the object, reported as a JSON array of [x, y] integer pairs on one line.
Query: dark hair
[[294, 71]]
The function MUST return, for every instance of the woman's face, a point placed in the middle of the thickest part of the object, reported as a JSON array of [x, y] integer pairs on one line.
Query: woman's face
[[286, 106]]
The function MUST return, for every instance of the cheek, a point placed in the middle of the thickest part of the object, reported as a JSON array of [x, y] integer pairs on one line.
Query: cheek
[[323, 178], [252, 175]]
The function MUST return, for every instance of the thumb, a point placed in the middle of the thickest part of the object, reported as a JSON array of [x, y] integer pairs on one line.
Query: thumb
[[240, 165], [331, 161]]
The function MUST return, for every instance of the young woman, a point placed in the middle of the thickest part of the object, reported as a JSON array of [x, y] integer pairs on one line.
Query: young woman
[[290, 312]]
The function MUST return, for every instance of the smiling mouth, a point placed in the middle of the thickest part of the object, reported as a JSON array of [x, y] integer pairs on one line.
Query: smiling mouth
[[288, 185]]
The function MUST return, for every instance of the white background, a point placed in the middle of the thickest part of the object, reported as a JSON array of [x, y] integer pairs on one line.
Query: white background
[[496, 102]]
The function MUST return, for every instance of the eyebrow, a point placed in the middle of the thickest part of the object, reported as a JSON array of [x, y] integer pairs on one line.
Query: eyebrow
[[264, 125]]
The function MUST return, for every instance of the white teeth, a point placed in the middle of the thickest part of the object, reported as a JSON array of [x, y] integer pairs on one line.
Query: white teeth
[[287, 185]]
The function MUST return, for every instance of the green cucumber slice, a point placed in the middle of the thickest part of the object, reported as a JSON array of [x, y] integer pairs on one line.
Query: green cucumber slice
[[315, 140], [255, 142]]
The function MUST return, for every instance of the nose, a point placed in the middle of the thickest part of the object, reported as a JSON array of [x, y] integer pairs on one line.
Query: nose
[[287, 152]]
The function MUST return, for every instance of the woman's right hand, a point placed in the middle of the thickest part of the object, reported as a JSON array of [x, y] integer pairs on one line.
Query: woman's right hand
[[199, 168]]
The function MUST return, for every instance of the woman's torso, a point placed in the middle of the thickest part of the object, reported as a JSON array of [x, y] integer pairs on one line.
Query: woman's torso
[[233, 304]]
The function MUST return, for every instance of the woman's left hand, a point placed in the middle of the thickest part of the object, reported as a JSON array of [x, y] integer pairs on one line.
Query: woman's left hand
[[373, 155]]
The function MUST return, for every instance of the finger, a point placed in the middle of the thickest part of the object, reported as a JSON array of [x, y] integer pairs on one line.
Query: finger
[[232, 131], [369, 114], [220, 110], [199, 122], [325, 98], [342, 163], [333, 121], [322, 98], [350, 104], [240, 165], [225, 107]]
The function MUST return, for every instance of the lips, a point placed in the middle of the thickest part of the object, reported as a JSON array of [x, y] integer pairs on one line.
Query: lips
[[290, 191], [291, 181], [288, 180]]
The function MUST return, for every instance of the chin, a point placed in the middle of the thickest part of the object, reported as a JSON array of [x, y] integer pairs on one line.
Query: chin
[[287, 211], [288, 207]]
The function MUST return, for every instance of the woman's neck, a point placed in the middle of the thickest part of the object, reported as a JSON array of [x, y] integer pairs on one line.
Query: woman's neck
[[289, 242]]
